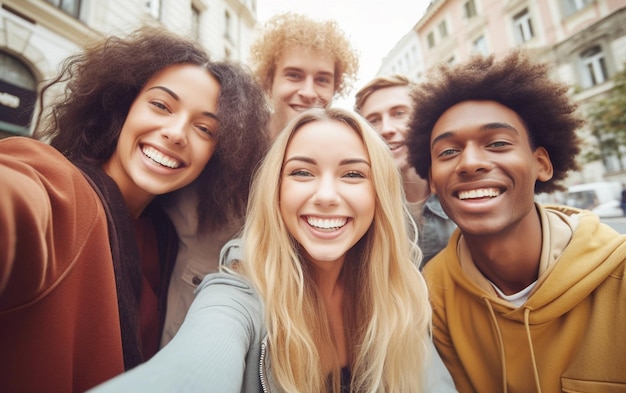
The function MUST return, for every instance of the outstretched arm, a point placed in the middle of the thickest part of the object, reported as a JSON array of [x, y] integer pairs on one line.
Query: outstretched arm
[[215, 349]]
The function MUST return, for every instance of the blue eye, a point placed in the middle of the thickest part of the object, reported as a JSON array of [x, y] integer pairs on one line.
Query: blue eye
[[300, 172], [355, 175], [447, 152]]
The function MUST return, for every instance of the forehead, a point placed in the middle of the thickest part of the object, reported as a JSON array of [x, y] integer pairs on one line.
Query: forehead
[[326, 138], [387, 98], [309, 60], [181, 74], [191, 84], [471, 115]]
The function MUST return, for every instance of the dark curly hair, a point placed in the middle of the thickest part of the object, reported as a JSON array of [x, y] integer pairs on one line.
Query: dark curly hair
[[514, 81], [101, 84]]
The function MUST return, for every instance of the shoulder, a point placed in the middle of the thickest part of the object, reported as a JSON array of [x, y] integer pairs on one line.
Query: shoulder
[[224, 281], [445, 259], [39, 160], [230, 293], [434, 206], [31, 150]]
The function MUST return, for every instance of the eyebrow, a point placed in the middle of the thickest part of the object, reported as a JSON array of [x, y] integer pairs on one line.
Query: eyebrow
[[393, 108], [484, 127], [298, 69], [177, 98], [345, 161]]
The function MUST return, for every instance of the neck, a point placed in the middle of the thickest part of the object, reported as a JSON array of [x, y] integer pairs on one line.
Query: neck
[[509, 260], [274, 127], [328, 283], [136, 199], [415, 188]]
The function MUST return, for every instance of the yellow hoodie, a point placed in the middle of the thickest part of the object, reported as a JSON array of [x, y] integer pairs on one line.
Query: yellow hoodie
[[569, 335]]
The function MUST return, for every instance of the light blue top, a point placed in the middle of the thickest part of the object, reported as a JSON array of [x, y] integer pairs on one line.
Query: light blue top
[[221, 347]]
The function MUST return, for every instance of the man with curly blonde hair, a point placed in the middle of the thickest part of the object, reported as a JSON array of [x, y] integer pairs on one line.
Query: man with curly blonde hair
[[301, 63]]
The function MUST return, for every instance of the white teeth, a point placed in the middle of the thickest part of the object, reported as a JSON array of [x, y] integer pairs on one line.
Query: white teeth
[[301, 108], [327, 224], [159, 157], [480, 193]]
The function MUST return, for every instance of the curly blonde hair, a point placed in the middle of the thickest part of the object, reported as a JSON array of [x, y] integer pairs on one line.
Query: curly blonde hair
[[290, 30], [386, 301]]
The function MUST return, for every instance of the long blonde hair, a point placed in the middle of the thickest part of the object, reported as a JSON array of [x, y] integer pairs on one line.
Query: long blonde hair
[[387, 311]]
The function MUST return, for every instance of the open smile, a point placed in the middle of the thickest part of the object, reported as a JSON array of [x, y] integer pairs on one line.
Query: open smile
[[327, 224], [160, 158], [479, 193]]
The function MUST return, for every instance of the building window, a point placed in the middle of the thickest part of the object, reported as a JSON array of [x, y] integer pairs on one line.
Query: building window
[[18, 93], [469, 9], [72, 7], [523, 27], [154, 8], [227, 23], [431, 39], [572, 6], [443, 29], [195, 21], [593, 67], [480, 45]]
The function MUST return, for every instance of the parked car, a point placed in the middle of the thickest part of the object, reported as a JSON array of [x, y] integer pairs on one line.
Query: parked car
[[603, 198], [611, 208]]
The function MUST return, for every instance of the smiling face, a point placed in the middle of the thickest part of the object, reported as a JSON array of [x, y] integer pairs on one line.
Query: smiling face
[[303, 79], [327, 197], [388, 110], [168, 137], [484, 169]]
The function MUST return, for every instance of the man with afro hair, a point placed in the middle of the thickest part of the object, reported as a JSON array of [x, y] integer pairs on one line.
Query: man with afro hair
[[526, 297]]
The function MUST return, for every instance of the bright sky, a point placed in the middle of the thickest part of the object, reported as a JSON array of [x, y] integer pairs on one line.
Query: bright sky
[[374, 26]]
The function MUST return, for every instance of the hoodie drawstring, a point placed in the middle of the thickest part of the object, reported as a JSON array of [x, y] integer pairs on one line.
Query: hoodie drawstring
[[500, 343], [530, 345]]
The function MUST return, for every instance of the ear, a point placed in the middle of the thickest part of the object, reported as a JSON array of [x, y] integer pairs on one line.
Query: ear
[[430, 183], [544, 164]]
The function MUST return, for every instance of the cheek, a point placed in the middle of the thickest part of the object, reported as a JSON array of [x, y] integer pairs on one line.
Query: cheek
[[202, 155], [327, 95], [285, 201], [283, 89], [439, 176], [208, 152], [367, 200]]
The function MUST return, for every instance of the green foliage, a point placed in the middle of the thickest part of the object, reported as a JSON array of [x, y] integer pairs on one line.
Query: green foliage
[[607, 117]]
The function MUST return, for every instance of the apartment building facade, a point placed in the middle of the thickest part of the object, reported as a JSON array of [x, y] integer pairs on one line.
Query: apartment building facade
[[405, 58], [37, 35], [583, 40]]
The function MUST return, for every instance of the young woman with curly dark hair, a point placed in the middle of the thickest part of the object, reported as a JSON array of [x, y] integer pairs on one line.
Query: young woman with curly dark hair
[[86, 250]]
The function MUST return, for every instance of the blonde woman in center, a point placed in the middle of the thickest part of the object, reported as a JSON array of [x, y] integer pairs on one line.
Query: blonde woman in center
[[327, 296]]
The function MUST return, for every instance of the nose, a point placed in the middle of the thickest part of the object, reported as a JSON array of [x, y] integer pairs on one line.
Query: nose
[[387, 127], [472, 160], [175, 132], [326, 193], [307, 91]]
